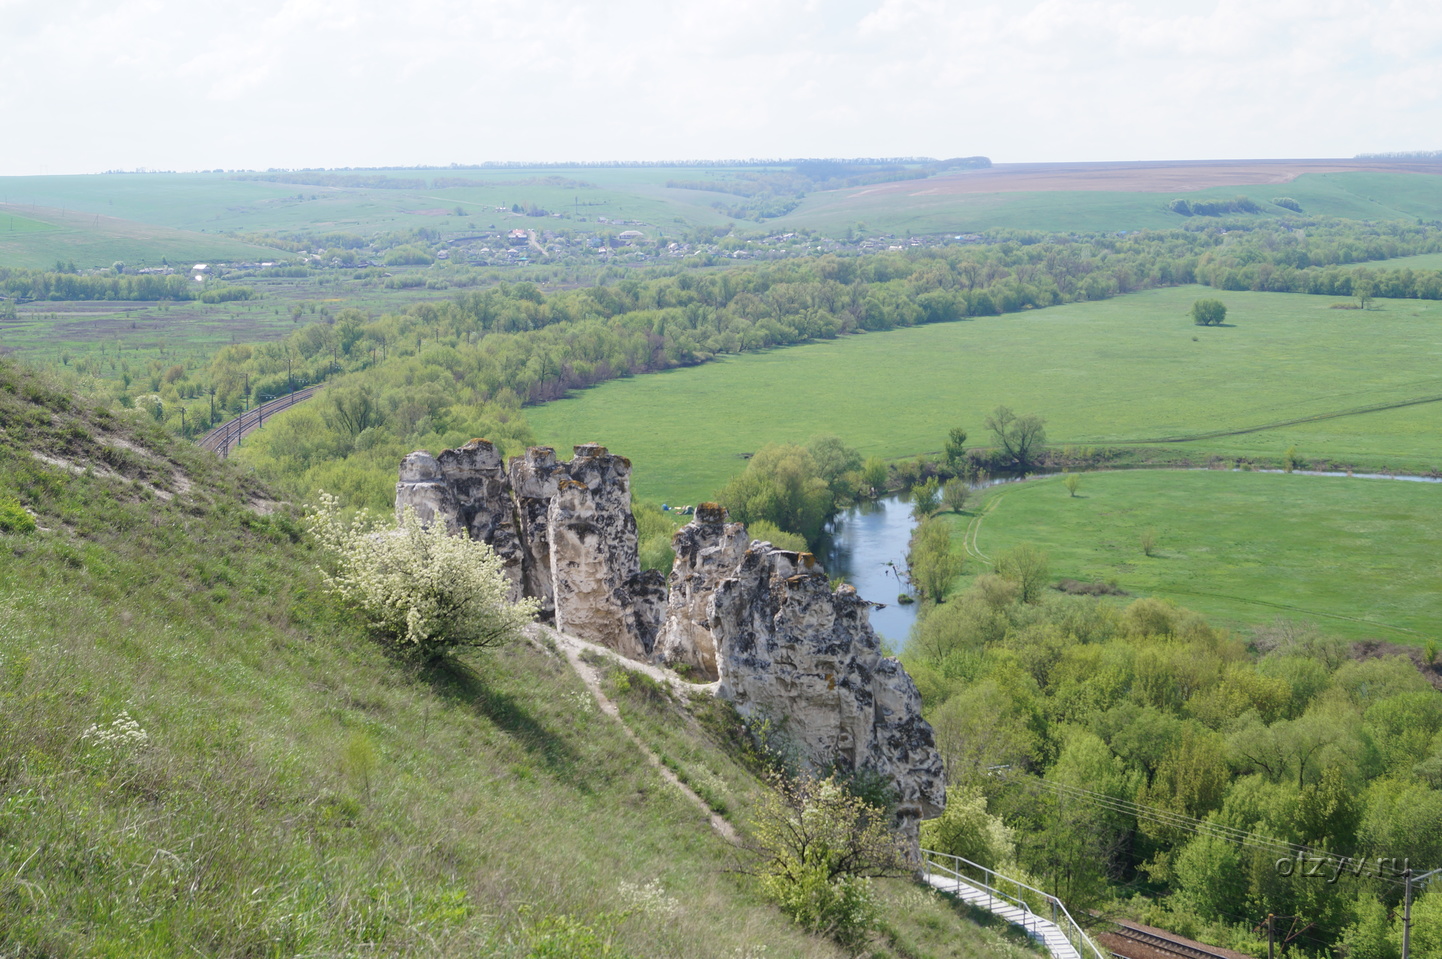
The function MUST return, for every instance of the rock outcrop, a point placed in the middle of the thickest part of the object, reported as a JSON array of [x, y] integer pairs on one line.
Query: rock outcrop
[[476, 476], [708, 550], [763, 621], [792, 649], [601, 593], [423, 488], [564, 532], [534, 479]]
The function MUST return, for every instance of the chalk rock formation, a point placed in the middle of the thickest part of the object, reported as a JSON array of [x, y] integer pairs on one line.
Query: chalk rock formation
[[764, 621], [708, 550], [534, 480], [423, 488], [601, 593], [476, 476], [790, 648]]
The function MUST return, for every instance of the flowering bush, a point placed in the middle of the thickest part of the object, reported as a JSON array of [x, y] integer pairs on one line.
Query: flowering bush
[[819, 847], [423, 588]]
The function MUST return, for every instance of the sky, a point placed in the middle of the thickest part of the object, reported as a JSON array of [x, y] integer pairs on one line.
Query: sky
[[88, 86]]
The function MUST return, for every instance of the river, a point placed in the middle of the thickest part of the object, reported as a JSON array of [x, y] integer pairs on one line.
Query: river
[[866, 546]]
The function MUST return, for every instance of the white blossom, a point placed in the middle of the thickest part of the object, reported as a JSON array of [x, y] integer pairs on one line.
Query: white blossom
[[421, 586], [122, 734]]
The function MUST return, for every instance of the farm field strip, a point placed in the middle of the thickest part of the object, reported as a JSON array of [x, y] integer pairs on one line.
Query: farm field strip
[[1050, 197]]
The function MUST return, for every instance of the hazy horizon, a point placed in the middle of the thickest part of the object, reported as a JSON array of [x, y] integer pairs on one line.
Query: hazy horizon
[[322, 84]]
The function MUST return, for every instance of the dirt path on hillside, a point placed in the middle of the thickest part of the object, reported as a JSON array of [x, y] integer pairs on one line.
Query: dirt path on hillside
[[573, 649]]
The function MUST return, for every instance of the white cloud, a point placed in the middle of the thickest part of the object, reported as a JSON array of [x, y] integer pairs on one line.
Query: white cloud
[[261, 83]]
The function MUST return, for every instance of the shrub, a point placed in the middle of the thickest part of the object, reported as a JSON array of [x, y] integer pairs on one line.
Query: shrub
[[925, 499], [423, 589], [1027, 567], [14, 518], [770, 533], [819, 846], [955, 494]]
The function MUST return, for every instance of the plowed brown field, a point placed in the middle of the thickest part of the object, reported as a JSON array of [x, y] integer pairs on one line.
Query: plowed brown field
[[1163, 176]]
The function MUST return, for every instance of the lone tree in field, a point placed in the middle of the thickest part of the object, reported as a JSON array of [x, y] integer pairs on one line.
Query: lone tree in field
[[1209, 312], [1019, 439]]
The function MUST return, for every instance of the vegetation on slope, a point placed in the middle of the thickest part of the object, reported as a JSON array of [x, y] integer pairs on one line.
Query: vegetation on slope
[[201, 752], [1142, 761]]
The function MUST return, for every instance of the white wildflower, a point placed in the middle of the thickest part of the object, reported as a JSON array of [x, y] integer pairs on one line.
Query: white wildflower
[[421, 586], [123, 733], [650, 899]]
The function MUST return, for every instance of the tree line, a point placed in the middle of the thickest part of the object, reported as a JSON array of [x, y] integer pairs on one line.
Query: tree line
[[511, 344], [1139, 757]]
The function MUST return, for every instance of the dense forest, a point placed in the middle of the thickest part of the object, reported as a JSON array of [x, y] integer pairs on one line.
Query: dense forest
[[1136, 758]]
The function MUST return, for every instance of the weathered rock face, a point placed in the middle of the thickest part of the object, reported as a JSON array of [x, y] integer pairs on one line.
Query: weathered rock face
[[790, 648], [708, 550], [534, 479], [423, 488], [601, 593], [564, 532], [764, 621], [476, 476]]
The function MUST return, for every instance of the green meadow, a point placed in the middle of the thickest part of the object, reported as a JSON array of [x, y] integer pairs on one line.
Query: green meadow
[[1358, 557], [1357, 195], [1286, 370], [246, 202], [89, 239]]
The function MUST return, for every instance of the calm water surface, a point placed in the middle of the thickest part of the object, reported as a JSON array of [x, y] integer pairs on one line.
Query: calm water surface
[[866, 545]]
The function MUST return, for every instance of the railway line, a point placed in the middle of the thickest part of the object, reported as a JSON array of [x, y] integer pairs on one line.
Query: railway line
[[227, 435], [1131, 941]]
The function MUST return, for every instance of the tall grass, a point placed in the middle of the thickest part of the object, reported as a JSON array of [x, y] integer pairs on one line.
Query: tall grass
[[201, 753]]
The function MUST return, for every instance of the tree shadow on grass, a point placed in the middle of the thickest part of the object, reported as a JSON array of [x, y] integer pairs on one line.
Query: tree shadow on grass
[[459, 683]]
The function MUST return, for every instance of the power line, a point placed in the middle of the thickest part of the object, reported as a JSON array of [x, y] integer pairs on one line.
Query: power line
[[1343, 864]]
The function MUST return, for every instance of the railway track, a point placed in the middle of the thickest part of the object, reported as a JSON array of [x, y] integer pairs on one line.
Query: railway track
[[1130, 941], [227, 435]]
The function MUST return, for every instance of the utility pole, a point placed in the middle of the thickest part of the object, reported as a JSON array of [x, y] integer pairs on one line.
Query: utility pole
[[1407, 906], [1270, 938], [1407, 913]]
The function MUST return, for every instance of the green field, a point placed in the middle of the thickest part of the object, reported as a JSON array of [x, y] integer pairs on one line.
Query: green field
[[92, 239], [101, 334], [1359, 557], [11, 224], [1126, 371], [96, 219], [1357, 195]]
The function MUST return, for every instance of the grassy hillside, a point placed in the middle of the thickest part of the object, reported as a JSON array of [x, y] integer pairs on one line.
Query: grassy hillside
[[201, 753], [1130, 370], [96, 219], [1361, 558], [92, 239]]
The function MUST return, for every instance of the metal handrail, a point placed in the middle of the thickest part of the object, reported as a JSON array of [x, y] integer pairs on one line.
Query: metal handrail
[[992, 885]]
